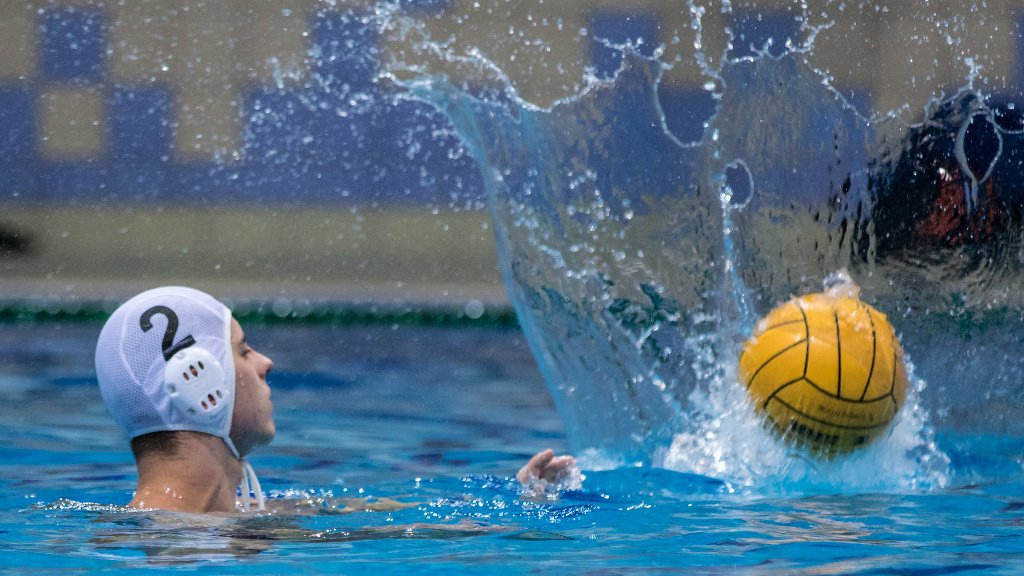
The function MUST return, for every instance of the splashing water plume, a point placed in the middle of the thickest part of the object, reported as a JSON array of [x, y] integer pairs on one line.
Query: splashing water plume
[[639, 250]]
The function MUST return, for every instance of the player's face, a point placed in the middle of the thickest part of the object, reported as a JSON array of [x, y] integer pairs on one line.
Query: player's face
[[252, 423]]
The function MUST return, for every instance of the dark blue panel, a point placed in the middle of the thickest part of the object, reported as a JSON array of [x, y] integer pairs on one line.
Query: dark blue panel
[[299, 151], [431, 6], [17, 141], [686, 110], [296, 150], [140, 141], [344, 166], [752, 30], [138, 182], [73, 44], [344, 51], [140, 125], [282, 142], [198, 184], [73, 182], [621, 27], [422, 160], [17, 123]]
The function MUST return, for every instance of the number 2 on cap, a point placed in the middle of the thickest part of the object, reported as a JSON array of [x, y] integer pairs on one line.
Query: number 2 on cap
[[170, 348]]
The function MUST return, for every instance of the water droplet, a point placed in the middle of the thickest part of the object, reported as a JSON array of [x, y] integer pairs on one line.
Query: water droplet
[[474, 309]]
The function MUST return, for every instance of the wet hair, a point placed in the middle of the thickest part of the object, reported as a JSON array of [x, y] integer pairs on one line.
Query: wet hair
[[165, 443]]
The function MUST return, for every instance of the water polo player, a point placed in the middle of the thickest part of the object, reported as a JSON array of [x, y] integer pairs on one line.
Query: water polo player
[[164, 361]]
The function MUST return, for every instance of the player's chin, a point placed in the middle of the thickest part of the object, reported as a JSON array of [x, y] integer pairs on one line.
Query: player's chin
[[265, 433], [269, 432]]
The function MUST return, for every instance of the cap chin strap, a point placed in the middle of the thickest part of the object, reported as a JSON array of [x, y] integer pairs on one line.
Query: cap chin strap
[[249, 490], [250, 485]]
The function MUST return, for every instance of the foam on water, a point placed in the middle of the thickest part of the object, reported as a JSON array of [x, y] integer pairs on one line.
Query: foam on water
[[724, 439]]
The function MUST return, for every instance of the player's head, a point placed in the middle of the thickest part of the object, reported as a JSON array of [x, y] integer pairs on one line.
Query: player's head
[[173, 359]]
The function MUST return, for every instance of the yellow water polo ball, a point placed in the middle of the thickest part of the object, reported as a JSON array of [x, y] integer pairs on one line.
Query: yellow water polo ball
[[826, 371]]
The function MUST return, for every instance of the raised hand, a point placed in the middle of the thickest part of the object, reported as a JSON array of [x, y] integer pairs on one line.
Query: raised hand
[[546, 473]]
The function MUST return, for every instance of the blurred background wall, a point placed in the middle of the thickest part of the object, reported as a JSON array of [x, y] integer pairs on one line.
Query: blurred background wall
[[225, 144]]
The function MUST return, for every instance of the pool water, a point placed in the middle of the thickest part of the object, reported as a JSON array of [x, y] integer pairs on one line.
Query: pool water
[[394, 453]]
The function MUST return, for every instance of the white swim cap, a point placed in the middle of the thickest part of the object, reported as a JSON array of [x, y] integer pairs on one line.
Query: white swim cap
[[164, 362]]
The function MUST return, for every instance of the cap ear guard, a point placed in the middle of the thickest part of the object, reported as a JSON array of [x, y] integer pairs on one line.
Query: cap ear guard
[[195, 382]]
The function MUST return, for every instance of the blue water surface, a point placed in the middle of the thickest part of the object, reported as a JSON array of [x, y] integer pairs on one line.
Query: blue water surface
[[394, 454]]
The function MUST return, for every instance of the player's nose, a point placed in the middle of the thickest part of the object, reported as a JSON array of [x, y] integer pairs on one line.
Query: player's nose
[[266, 365]]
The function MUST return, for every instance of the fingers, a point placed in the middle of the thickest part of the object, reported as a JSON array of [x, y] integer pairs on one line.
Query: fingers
[[556, 468], [546, 466], [541, 459], [535, 466], [545, 475], [561, 461]]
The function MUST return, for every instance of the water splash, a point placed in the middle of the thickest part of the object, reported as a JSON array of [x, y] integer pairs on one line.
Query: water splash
[[724, 439], [637, 260]]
